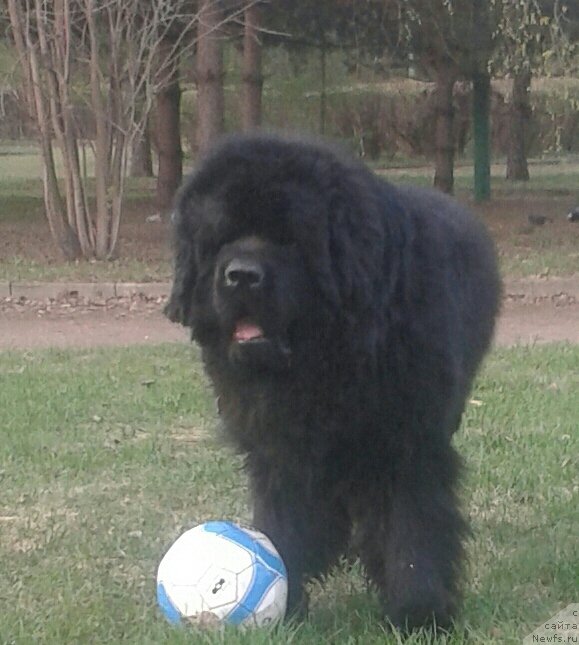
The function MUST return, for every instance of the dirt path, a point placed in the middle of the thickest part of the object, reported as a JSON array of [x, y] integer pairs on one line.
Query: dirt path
[[538, 323], [28, 331], [137, 322]]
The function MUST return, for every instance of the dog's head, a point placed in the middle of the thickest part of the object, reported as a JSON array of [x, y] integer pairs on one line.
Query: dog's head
[[272, 245]]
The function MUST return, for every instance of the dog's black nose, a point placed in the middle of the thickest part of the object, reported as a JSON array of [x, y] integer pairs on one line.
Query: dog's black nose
[[244, 272]]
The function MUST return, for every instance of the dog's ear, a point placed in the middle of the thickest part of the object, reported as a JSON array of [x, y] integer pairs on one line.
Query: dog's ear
[[319, 258], [353, 242], [309, 227], [178, 309]]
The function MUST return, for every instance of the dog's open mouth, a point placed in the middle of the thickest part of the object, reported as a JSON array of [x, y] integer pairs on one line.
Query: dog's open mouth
[[246, 331], [251, 346]]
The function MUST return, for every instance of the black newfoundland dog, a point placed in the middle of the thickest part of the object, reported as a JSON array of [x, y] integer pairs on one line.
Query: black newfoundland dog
[[341, 320]]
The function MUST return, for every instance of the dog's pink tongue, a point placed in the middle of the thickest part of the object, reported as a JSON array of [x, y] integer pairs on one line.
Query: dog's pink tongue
[[245, 330]]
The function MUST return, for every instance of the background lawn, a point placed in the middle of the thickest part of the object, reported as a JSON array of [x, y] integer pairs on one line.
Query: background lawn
[[107, 456], [27, 252]]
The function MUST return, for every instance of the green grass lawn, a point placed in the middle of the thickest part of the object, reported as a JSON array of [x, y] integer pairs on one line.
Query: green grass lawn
[[106, 456], [23, 269], [28, 254]]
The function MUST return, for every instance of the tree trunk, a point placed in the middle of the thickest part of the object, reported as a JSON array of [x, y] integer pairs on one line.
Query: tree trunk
[[210, 96], [40, 110], [48, 37], [170, 171], [444, 130], [323, 86], [62, 233], [481, 93], [103, 215], [520, 114], [141, 157], [251, 74]]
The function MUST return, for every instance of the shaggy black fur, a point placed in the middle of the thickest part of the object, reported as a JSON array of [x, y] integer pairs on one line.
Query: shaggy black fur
[[342, 321]]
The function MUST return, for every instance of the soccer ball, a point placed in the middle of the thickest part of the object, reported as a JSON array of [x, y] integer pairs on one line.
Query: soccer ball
[[218, 573]]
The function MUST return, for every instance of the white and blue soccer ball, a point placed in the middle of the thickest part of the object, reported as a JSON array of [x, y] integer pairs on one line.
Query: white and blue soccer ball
[[219, 572]]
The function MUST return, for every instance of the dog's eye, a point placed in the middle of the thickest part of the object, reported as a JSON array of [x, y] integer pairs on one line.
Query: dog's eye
[[206, 250]]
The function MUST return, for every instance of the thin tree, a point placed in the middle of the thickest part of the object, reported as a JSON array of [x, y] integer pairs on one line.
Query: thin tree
[[141, 153], [520, 113], [168, 130], [106, 53], [522, 34], [438, 37], [445, 74], [61, 215], [251, 74], [209, 75], [481, 94]]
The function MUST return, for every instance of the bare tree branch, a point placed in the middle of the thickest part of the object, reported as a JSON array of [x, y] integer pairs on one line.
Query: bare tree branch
[[105, 53]]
